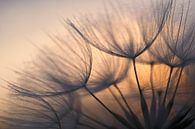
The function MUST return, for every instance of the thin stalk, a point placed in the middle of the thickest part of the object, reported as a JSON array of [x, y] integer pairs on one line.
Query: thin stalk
[[98, 100], [153, 102], [151, 79], [178, 81], [94, 120], [86, 125], [168, 83], [116, 116], [159, 99], [123, 97], [90, 118], [143, 103], [117, 100], [171, 101], [136, 77], [134, 119], [54, 111]]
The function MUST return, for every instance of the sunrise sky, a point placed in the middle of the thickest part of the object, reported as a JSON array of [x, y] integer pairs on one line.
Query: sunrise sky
[[24, 20]]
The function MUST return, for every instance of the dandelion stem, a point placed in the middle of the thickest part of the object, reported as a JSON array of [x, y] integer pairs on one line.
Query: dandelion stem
[[144, 106], [54, 111], [86, 125], [94, 120], [153, 102], [151, 79], [177, 84], [117, 100], [136, 77], [119, 118], [122, 96], [168, 83], [96, 98], [126, 112], [90, 118]]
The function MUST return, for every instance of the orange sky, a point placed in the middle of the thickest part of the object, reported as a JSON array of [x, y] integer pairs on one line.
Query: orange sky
[[27, 20], [24, 20]]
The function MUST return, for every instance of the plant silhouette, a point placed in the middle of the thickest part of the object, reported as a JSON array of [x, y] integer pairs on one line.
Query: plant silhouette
[[91, 78]]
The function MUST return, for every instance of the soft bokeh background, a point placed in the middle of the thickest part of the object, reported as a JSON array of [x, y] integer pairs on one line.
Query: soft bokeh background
[[27, 20], [22, 21]]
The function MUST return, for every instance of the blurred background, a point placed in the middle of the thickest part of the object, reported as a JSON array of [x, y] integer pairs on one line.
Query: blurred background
[[26, 21], [23, 21]]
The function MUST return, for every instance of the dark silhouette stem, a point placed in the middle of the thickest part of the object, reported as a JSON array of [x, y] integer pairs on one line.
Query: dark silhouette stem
[[54, 111], [98, 100], [121, 120], [136, 77], [86, 125], [94, 120], [122, 96], [151, 79], [88, 117], [117, 100], [168, 83], [153, 101], [143, 103], [177, 84]]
